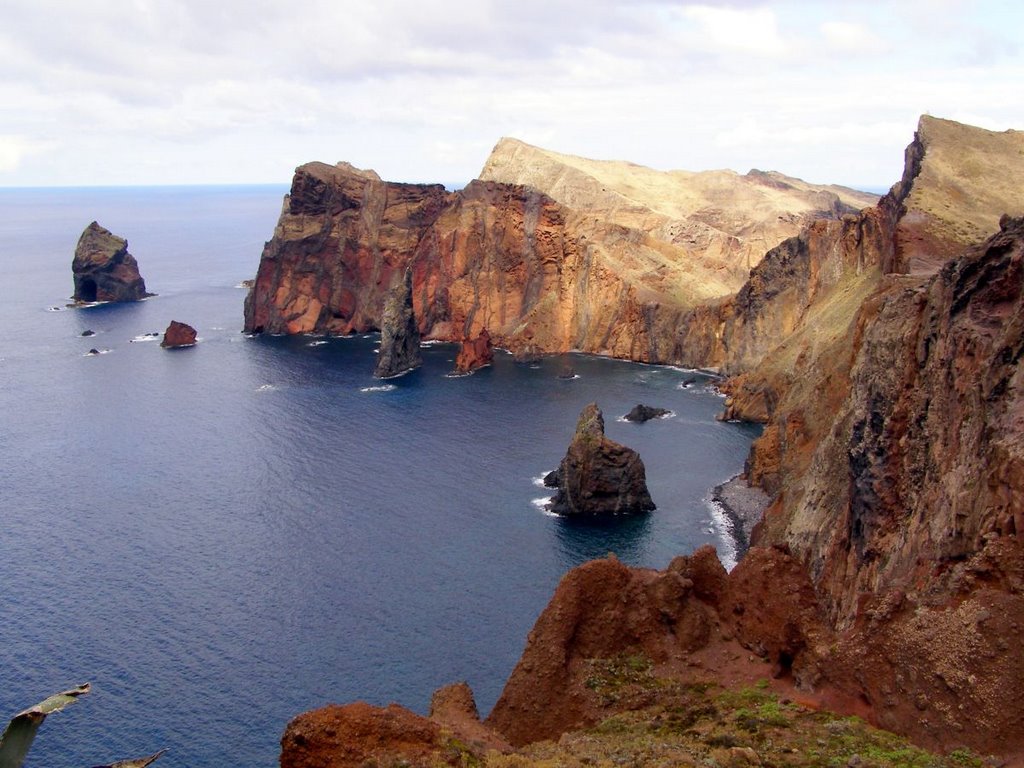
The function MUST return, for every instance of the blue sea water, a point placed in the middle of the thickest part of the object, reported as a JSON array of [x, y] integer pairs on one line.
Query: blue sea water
[[221, 537]]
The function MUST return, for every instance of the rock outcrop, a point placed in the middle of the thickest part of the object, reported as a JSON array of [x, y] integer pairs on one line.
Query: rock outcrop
[[598, 476], [178, 335], [692, 621], [359, 734], [475, 353], [399, 336], [103, 270], [641, 413]]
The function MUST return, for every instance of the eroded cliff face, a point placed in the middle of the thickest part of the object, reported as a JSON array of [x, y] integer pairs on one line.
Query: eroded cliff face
[[614, 275], [342, 243], [893, 447], [690, 236]]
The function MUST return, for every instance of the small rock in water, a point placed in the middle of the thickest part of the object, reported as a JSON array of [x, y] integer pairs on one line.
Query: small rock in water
[[642, 413], [178, 335], [567, 373], [94, 351], [88, 333]]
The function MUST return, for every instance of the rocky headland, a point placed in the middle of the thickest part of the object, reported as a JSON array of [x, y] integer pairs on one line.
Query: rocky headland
[[103, 270], [598, 476], [881, 348], [540, 270]]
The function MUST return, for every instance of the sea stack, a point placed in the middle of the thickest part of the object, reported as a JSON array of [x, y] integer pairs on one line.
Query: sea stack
[[598, 476], [103, 270], [399, 336], [475, 353], [179, 335]]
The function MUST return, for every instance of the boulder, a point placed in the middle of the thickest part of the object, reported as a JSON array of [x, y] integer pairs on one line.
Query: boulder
[[475, 353], [399, 336], [103, 270], [178, 335], [598, 476], [642, 413]]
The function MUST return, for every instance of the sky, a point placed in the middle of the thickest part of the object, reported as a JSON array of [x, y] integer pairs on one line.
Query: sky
[[125, 92]]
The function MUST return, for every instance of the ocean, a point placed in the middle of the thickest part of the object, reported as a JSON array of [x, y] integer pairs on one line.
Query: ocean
[[221, 537]]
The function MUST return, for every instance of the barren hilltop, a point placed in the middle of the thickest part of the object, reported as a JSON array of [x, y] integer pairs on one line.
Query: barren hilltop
[[881, 348]]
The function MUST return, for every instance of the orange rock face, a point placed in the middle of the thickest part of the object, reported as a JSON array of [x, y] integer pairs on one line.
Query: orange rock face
[[178, 335], [538, 274], [359, 734], [475, 353]]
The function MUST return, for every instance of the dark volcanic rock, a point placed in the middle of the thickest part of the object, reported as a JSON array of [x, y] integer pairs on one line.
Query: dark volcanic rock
[[642, 413], [103, 269], [399, 336], [178, 335], [89, 333], [598, 476], [475, 353]]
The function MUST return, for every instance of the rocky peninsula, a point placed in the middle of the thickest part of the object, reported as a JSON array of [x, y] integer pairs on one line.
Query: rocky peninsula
[[880, 347]]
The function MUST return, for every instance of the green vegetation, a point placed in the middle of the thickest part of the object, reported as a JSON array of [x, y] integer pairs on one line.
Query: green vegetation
[[705, 726], [17, 738]]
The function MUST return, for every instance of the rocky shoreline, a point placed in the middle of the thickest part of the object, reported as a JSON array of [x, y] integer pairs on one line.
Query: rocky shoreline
[[743, 507]]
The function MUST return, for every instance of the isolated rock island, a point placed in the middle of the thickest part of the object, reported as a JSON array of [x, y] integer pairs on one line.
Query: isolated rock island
[[598, 476], [178, 335], [878, 341], [103, 270]]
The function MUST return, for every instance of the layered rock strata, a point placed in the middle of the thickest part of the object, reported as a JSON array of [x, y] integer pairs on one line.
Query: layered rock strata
[[103, 270], [399, 336], [598, 476], [537, 273]]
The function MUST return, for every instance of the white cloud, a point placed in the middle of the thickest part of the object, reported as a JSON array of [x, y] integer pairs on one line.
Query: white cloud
[[851, 37], [734, 30], [183, 90], [14, 149]]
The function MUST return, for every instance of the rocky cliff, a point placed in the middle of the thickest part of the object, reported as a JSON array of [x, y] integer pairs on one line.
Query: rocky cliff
[[887, 576], [610, 276], [893, 442]]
